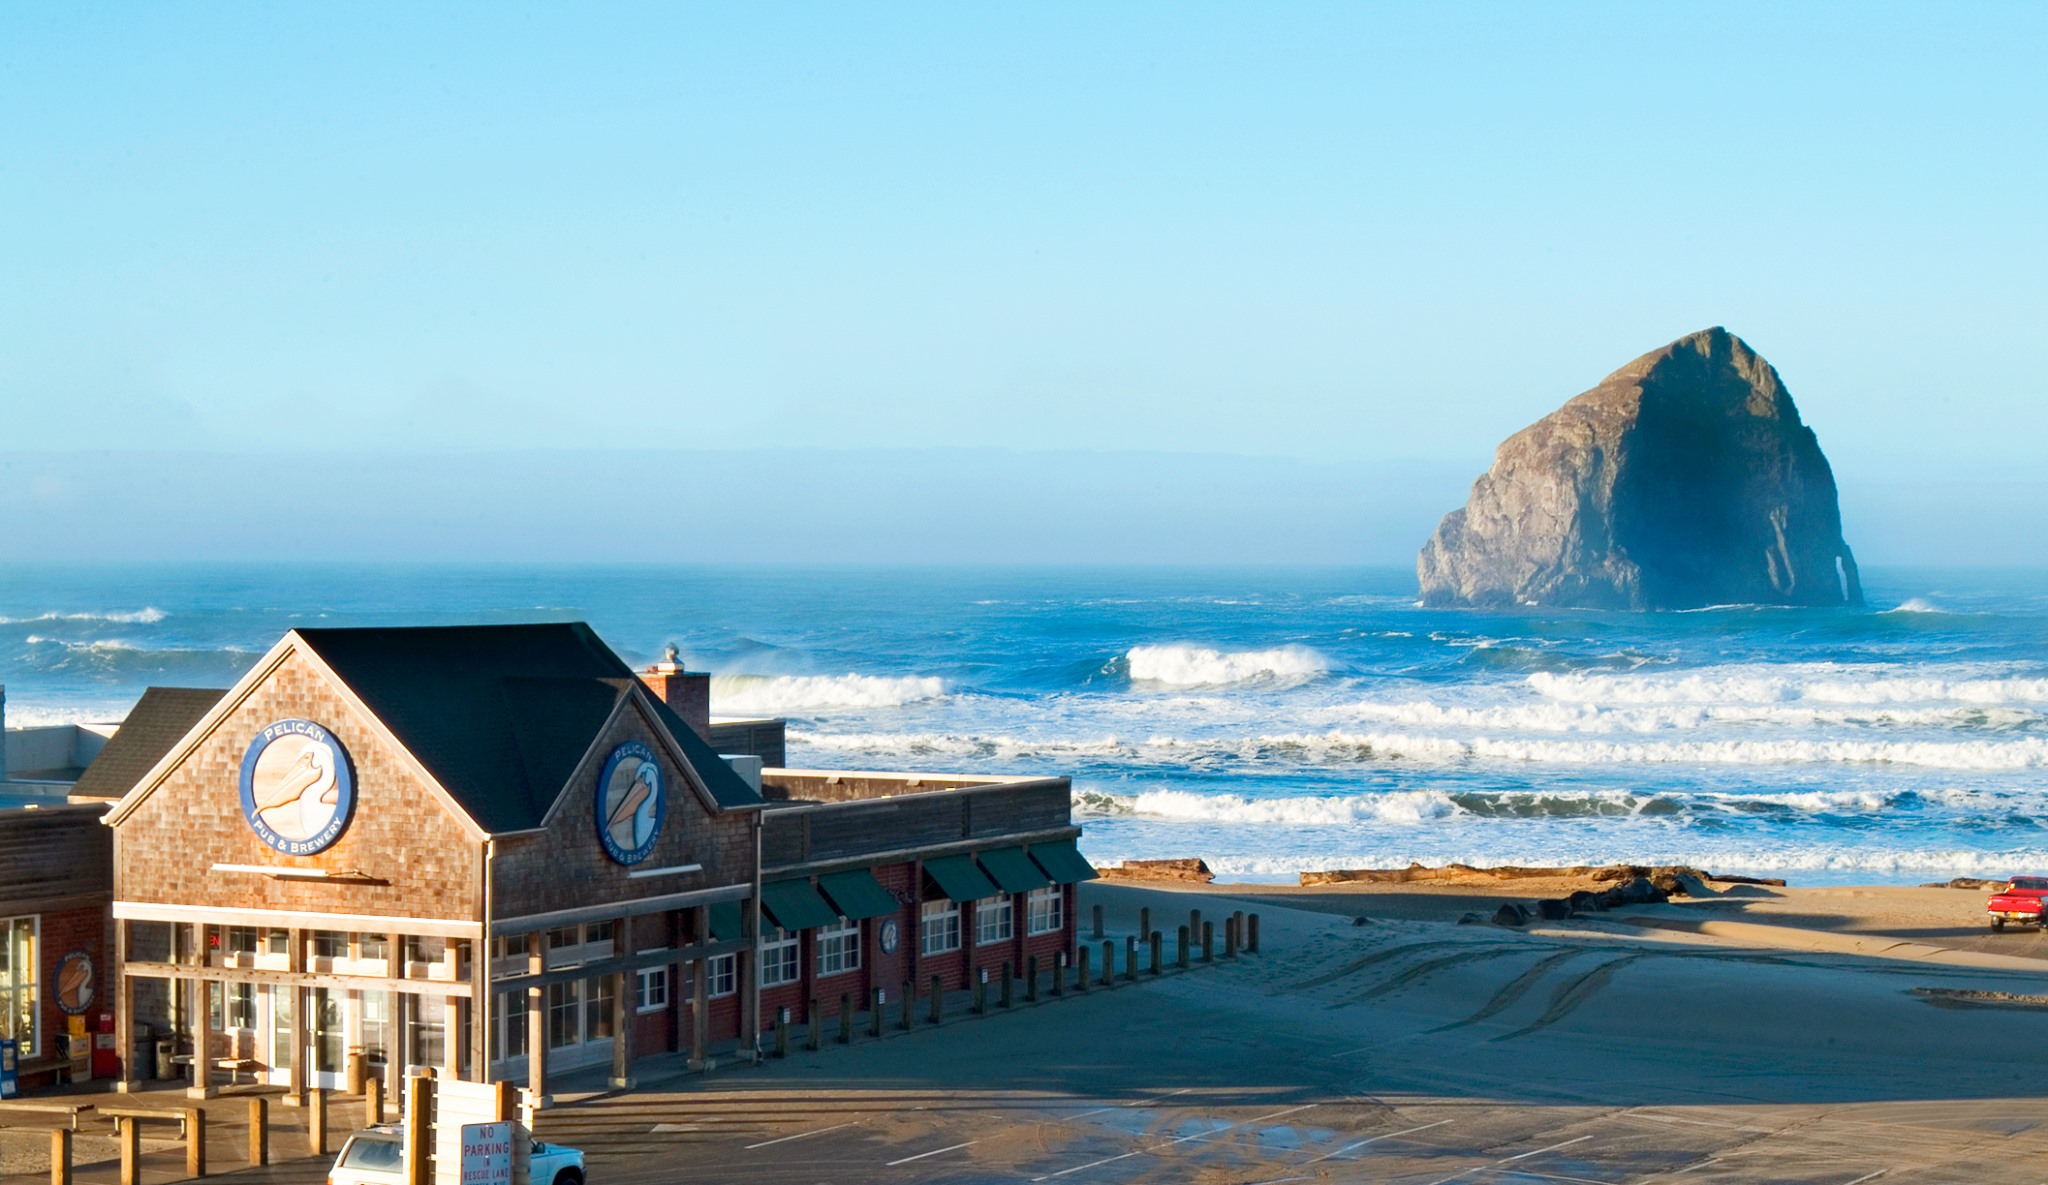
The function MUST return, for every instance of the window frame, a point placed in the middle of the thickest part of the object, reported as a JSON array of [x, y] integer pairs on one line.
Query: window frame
[[1002, 905], [21, 989], [721, 969], [938, 919], [644, 977], [1049, 920], [782, 955], [842, 956]]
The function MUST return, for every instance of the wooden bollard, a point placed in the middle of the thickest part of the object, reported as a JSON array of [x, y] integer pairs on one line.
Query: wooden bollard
[[781, 1032], [1208, 942], [877, 1001], [846, 1018], [938, 1000], [1145, 920], [1098, 921], [373, 1099], [981, 992], [1180, 957], [1031, 979], [1130, 958], [1007, 999], [909, 1004], [1195, 924], [316, 1122], [1059, 974], [419, 1126], [1251, 933], [1153, 938], [1081, 969], [1108, 963], [357, 1068], [1230, 937], [259, 1128], [195, 1142], [128, 1131], [60, 1156], [813, 1020]]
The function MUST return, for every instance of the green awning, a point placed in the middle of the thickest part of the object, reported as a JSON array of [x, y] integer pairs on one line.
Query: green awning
[[858, 894], [958, 878], [1013, 870], [795, 905], [1063, 862], [725, 921]]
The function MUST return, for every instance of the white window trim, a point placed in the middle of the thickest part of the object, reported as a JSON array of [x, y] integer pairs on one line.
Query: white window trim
[[842, 931], [771, 955], [1057, 896], [927, 915], [1001, 905], [29, 981], [730, 967], [641, 979]]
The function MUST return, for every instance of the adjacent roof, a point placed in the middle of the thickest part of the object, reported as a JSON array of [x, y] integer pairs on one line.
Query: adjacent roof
[[160, 719], [959, 879], [794, 905], [1063, 862], [858, 894], [500, 715], [1013, 870]]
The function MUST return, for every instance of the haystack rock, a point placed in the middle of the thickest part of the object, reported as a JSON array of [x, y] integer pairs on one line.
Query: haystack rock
[[1685, 479]]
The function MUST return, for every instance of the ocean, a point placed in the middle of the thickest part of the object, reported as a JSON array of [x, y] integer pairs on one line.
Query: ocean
[[1269, 720]]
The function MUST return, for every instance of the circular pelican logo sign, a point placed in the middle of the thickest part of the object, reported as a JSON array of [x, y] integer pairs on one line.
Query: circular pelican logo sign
[[630, 803], [297, 790], [75, 983]]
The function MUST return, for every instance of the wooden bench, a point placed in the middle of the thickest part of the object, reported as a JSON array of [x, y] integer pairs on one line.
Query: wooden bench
[[47, 1107], [147, 1114], [238, 1066]]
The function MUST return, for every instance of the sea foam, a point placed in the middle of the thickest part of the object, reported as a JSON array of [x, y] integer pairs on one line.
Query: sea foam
[[1197, 666], [734, 694]]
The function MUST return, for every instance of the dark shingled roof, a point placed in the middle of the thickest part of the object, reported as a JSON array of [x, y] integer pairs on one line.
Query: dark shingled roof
[[501, 714], [160, 719]]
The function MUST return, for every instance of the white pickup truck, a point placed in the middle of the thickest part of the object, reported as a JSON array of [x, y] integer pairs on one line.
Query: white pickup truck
[[376, 1156]]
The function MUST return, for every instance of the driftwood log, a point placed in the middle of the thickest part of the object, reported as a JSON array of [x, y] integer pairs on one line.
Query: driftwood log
[[1194, 869]]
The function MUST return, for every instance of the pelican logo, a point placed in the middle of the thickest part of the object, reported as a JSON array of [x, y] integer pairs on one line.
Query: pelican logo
[[75, 983], [630, 803], [297, 790]]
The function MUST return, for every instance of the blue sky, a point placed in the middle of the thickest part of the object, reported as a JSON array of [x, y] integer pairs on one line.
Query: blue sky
[[1345, 232]]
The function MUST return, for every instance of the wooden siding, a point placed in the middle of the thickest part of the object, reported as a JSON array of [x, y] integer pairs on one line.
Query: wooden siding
[[54, 857]]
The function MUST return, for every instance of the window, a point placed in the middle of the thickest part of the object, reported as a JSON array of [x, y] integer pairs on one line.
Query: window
[[940, 927], [597, 1008], [329, 944], [653, 993], [419, 949], [509, 948], [565, 1012], [564, 936], [280, 942], [597, 932], [779, 960], [18, 963], [510, 1038], [1047, 909], [373, 946], [994, 919], [722, 977], [376, 1032], [838, 948], [241, 1006], [242, 941]]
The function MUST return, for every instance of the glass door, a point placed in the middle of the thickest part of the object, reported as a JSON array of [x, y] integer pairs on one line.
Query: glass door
[[326, 1038], [277, 1023]]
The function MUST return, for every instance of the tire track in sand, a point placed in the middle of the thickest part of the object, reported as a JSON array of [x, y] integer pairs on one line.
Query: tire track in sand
[[1360, 964], [1427, 967], [1571, 995], [1518, 987]]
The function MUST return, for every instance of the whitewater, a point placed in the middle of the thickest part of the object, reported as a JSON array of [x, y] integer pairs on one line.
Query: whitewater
[[1271, 720]]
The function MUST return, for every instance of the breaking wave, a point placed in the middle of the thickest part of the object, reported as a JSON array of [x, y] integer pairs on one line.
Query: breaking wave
[[1196, 666], [732, 694], [148, 615], [1426, 806], [1826, 685], [1580, 717]]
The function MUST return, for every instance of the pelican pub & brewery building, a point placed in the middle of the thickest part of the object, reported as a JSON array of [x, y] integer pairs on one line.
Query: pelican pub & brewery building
[[500, 852]]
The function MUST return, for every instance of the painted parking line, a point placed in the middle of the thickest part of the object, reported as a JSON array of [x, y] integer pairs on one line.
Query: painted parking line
[[934, 1152], [800, 1135], [1487, 1168], [1170, 1143], [1867, 1177], [1376, 1139], [1133, 1103]]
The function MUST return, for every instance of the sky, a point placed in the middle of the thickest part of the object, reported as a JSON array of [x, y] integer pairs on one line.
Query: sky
[[1362, 236]]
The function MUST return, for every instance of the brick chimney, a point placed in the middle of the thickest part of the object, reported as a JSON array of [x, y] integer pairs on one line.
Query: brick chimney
[[687, 693]]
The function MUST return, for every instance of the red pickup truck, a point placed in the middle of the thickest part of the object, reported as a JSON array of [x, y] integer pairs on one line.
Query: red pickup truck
[[2019, 901]]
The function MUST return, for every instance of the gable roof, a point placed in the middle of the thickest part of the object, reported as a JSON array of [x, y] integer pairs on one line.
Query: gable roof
[[500, 715], [159, 720]]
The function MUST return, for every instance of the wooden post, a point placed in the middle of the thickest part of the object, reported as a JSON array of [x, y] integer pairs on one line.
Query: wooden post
[[877, 998], [1059, 974], [1145, 920], [1180, 957], [1130, 958], [195, 1141], [1098, 921], [846, 1018], [1195, 924], [373, 1100], [700, 1008], [1108, 963], [124, 1015], [128, 1131], [938, 1000], [356, 1069], [1208, 942], [1031, 980], [316, 1122], [814, 1021], [981, 992], [1251, 934], [1230, 937], [1008, 999], [536, 1023], [419, 1130], [622, 1035], [60, 1156], [1152, 937], [1081, 969], [782, 1032], [909, 1004], [259, 1130]]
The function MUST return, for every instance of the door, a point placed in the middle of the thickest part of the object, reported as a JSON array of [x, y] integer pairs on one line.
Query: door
[[326, 1038], [276, 1020]]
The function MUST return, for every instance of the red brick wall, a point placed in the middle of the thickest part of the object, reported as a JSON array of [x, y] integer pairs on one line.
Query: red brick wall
[[64, 931]]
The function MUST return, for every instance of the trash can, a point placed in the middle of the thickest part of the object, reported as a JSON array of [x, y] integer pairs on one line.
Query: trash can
[[166, 1069], [145, 1055]]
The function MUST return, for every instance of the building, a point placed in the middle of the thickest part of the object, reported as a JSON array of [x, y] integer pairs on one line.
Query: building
[[56, 882], [500, 852]]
